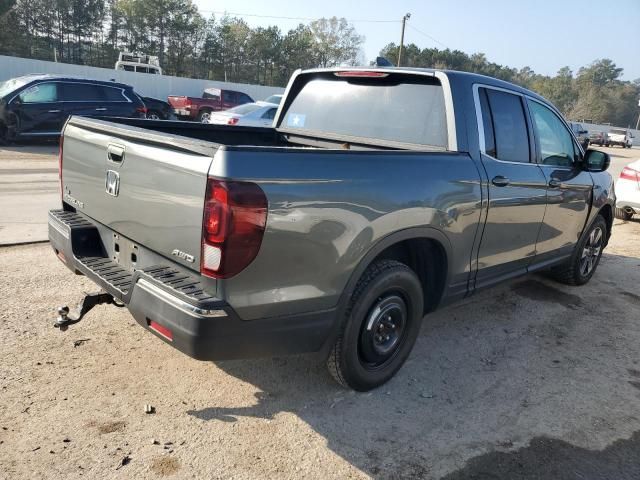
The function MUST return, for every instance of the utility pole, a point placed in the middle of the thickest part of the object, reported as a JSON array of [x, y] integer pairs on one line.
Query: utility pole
[[638, 122], [404, 20]]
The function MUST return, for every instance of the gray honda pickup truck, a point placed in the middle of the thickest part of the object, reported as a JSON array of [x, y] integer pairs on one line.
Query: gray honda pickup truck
[[379, 195]]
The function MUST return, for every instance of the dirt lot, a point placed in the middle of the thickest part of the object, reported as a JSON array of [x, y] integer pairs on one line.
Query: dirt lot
[[528, 380]]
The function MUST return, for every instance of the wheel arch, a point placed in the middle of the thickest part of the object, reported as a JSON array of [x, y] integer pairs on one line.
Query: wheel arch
[[419, 248]]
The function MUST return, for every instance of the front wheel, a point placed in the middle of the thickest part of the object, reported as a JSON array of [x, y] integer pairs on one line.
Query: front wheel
[[586, 257], [204, 116], [380, 326]]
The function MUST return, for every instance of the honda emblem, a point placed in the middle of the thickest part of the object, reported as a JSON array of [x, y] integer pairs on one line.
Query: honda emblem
[[112, 183]]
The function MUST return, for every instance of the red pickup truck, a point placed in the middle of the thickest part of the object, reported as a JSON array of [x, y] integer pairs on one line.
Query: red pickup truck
[[213, 100]]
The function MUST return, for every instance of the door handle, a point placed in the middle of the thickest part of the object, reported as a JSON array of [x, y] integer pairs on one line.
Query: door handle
[[500, 181], [553, 183], [115, 153], [54, 111], [102, 109]]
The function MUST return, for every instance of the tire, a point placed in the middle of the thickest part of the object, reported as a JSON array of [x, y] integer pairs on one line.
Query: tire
[[623, 214], [574, 272], [4, 134], [154, 115], [203, 116], [380, 327]]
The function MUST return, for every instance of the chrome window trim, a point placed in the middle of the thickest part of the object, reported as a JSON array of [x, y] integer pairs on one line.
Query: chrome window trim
[[480, 125]]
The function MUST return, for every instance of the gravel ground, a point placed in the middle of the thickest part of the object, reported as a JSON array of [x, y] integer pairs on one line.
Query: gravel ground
[[528, 380]]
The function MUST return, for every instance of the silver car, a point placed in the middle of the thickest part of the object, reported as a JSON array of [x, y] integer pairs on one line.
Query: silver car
[[259, 114]]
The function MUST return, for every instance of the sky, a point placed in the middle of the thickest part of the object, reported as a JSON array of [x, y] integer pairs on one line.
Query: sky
[[545, 35]]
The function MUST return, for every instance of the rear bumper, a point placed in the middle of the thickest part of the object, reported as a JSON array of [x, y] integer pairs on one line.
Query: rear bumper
[[201, 325]]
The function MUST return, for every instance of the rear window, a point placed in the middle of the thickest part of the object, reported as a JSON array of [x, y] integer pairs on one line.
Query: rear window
[[618, 131], [397, 108]]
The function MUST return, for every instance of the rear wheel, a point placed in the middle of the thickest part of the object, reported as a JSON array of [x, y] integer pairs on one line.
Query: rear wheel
[[154, 115], [380, 327], [624, 213], [586, 257]]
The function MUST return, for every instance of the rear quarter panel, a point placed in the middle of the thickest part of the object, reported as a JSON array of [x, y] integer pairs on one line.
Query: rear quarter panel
[[327, 209]]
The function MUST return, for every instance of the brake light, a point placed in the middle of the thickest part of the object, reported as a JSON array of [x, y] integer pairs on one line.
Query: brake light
[[361, 73], [232, 121], [629, 173], [142, 110], [235, 215], [60, 149]]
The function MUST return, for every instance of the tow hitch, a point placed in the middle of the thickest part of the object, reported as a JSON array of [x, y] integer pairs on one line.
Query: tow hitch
[[89, 301]]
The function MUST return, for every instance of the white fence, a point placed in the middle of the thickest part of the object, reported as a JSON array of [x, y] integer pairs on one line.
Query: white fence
[[158, 86]]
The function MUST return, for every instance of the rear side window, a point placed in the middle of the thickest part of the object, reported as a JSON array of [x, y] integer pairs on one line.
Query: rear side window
[[81, 92], [269, 114], [396, 108], [229, 97], [111, 94], [506, 114], [244, 98]]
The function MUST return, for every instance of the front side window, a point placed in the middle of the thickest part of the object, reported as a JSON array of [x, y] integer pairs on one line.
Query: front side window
[[41, 93], [509, 126], [554, 140]]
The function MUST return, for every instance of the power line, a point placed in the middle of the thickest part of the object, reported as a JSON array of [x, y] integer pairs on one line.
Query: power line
[[426, 35], [307, 19]]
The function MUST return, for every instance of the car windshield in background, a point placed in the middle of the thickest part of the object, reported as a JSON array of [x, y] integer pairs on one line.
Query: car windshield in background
[[245, 109], [13, 84], [274, 99], [395, 109], [618, 131]]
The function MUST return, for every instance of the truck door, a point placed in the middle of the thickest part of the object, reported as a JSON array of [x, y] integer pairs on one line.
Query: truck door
[[517, 187], [569, 187]]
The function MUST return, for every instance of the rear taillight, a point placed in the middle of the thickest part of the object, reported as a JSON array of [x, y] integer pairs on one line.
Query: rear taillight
[[629, 173], [235, 215], [142, 110], [232, 121], [60, 148]]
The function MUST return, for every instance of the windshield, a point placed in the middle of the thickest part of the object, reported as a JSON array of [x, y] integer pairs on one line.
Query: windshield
[[395, 108], [274, 99], [10, 85], [245, 109], [618, 131]]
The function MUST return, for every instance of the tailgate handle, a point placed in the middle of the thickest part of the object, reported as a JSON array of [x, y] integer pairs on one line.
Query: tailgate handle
[[115, 153]]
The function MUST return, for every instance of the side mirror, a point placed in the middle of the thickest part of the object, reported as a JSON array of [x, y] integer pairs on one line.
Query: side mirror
[[596, 161]]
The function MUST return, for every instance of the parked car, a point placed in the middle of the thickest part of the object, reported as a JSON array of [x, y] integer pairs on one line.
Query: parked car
[[274, 99], [599, 138], [628, 191], [39, 105], [581, 134], [259, 114], [213, 100], [157, 109], [339, 228], [620, 136]]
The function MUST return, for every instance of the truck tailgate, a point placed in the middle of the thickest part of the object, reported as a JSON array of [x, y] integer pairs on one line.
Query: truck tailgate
[[147, 187]]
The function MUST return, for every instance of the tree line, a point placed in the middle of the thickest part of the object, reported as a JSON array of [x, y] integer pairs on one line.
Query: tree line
[[595, 94], [93, 32]]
